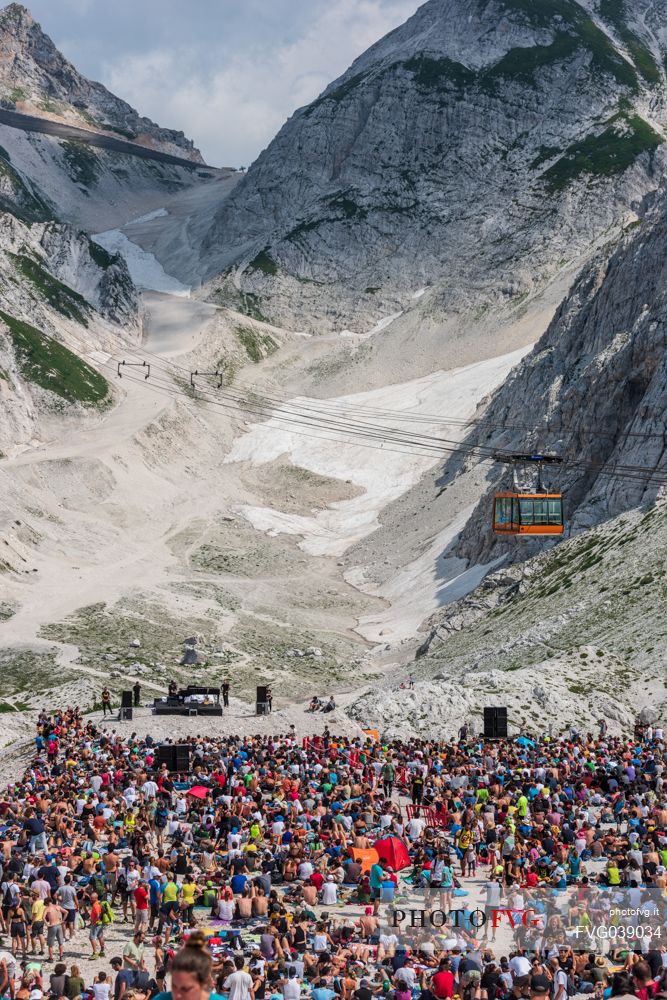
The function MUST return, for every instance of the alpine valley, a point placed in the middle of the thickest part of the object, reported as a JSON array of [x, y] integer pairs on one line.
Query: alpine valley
[[260, 409]]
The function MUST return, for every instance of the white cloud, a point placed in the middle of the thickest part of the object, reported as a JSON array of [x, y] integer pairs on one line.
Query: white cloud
[[233, 110]]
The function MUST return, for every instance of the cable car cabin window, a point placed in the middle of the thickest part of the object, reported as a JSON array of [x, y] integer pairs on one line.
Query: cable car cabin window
[[503, 512], [537, 512], [526, 512], [555, 511]]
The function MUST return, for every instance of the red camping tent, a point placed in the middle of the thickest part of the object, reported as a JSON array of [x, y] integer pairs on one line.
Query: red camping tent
[[394, 850], [198, 791]]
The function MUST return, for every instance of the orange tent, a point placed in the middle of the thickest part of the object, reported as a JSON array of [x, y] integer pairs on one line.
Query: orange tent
[[373, 734], [394, 850], [366, 858]]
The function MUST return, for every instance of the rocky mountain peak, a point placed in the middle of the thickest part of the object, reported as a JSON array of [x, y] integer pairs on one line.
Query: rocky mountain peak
[[17, 14], [37, 79], [469, 151]]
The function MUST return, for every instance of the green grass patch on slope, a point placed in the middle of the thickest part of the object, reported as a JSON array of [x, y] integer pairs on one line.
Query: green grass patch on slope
[[59, 296], [606, 154], [523, 63], [257, 345], [540, 13], [22, 202], [97, 123], [264, 262], [44, 361], [17, 94], [606, 58], [100, 256], [250, 306], [82, 163], [53, 107], [337, 95], [429, 72], [613, 12], [346, 205]]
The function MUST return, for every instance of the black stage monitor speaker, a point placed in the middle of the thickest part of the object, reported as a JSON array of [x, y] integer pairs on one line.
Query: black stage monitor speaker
[[125, 714], [182, 756], [166, 754], [126, 699], [495, 723], [261, 706]]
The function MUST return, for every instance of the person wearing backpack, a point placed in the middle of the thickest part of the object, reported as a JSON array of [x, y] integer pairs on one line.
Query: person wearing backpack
[[559, 985], [107, 913], [161, 819], [98, 882]]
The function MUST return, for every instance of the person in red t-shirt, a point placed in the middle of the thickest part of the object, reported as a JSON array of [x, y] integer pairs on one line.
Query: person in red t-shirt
[[442, 983], [142, 910]]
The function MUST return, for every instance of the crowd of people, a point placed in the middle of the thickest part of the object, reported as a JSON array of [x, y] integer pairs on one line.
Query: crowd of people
[[255, 875]]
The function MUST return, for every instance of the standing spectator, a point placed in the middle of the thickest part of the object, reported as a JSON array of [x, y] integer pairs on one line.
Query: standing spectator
[[141, 913], [96, 932], [54, 916], [133, 953], [240, 984], [67, 897], [34, 825], [124, 978]]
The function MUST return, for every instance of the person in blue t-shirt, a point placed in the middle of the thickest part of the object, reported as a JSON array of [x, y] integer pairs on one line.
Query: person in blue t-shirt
[[321, 991]]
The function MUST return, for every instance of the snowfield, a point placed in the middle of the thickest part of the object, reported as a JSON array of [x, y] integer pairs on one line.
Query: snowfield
[[145, 269], [384, 473]]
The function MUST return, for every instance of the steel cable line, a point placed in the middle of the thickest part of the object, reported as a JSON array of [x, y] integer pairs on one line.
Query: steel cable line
[[429, 441], [438, 446], [173, 392], [410, 417], [265, 413], [416, 439]]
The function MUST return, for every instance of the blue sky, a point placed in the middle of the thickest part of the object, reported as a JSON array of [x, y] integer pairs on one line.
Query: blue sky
[[226, 72]]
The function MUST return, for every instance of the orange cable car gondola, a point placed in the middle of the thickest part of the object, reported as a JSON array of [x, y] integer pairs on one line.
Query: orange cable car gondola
[[528, 512]]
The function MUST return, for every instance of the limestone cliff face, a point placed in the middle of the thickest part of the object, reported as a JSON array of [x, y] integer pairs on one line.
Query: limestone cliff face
[[594, 389], [35, 78], [65, 305], [474, 150]]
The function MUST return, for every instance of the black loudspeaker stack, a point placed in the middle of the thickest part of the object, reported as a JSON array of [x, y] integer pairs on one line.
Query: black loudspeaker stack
[[125, 714], [261, 705], [165, 755], [126, 699], [175, 756], [495, 723], [182, 757]]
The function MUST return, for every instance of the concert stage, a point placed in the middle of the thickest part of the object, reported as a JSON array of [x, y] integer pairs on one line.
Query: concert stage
[[187, 702]]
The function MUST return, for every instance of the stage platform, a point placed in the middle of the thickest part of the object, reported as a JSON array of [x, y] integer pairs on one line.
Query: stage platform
[[162, 708], [185, 702]]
